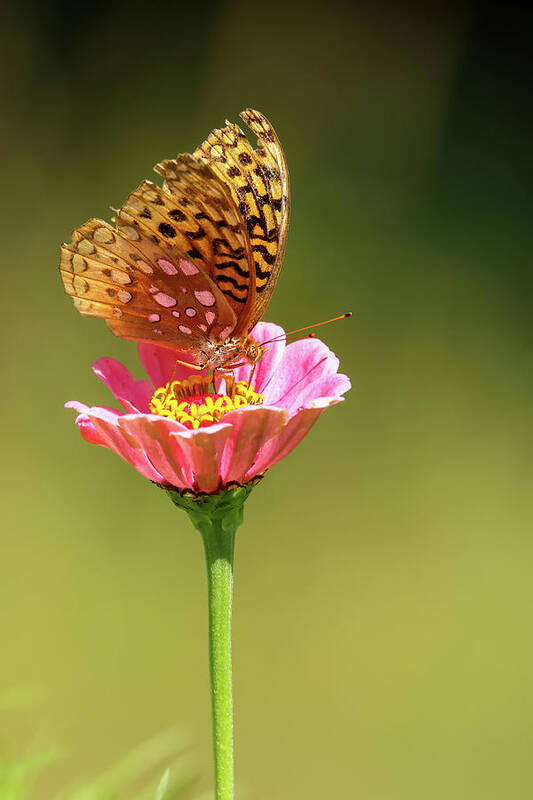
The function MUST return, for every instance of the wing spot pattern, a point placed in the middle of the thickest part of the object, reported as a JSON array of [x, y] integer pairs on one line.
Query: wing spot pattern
[[188, 268], [78, 263], [130, 232], [167, 230], [144, 267], [177, 215], [165, 300], [205, 298], [167, 266], [86, 247], [103, 236]]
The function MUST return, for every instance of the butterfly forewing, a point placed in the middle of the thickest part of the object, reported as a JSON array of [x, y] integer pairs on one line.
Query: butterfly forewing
[[125, 277]]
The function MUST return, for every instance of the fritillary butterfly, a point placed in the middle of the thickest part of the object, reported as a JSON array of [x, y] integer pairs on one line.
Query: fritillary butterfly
[[191, 264]]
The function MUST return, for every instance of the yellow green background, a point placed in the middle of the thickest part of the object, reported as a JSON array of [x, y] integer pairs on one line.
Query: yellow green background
[[384, 601]]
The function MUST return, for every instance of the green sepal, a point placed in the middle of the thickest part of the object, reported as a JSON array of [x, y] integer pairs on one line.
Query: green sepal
[[223, 510]]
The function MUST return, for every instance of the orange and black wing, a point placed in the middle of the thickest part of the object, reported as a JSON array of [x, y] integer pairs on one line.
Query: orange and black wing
[[195, 259]]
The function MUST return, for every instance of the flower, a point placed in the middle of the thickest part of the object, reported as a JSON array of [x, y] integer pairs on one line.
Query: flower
[[205, 441]]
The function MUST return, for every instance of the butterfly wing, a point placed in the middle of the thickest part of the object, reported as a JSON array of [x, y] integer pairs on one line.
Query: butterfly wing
[[258, 181], [196, 259], [144, 291]]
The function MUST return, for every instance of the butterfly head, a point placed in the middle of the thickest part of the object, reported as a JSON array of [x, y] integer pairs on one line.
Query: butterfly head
[[254, 351]]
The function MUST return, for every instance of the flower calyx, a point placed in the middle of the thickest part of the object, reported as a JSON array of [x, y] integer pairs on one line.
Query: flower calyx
[[225, 508]]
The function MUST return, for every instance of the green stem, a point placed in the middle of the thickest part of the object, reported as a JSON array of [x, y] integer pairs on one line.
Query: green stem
[[218, 546], [217, 517]]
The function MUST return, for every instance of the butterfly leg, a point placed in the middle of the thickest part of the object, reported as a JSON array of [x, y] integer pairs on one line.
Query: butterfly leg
[[234, 366], [184, 364], [252, 371]]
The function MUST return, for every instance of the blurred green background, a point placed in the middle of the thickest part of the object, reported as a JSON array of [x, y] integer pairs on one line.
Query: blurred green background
[[384, 604]]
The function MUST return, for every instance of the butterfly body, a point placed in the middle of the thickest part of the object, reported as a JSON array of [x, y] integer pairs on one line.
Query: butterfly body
[[232, 352], [191, 264]]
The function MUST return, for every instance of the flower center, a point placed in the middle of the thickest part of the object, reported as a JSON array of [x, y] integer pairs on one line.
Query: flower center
[[191, 403]]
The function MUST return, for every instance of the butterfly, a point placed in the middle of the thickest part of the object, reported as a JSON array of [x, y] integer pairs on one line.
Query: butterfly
[[192, 264]]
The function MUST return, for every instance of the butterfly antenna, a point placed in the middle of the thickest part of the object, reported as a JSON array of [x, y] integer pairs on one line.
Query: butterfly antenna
[[297, 339], [307, 327], [318, 324]]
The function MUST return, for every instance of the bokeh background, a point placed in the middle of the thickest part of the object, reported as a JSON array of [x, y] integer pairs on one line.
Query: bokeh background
[[384, 603]]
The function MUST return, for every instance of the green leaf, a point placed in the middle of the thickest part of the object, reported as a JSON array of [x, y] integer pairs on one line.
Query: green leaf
[[163, 784]]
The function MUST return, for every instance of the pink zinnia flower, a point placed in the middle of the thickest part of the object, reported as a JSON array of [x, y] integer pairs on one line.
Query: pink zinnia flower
[[224, 437]]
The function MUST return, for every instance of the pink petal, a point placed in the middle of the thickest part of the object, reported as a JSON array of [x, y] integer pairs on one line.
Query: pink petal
[[290, 436], [203, 449], [303, 362], [88, 431], [134, 395], [153, 435], [252, 427], [330, 385], [108, 433], [81, 408], [84, 423], [160, 364]]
